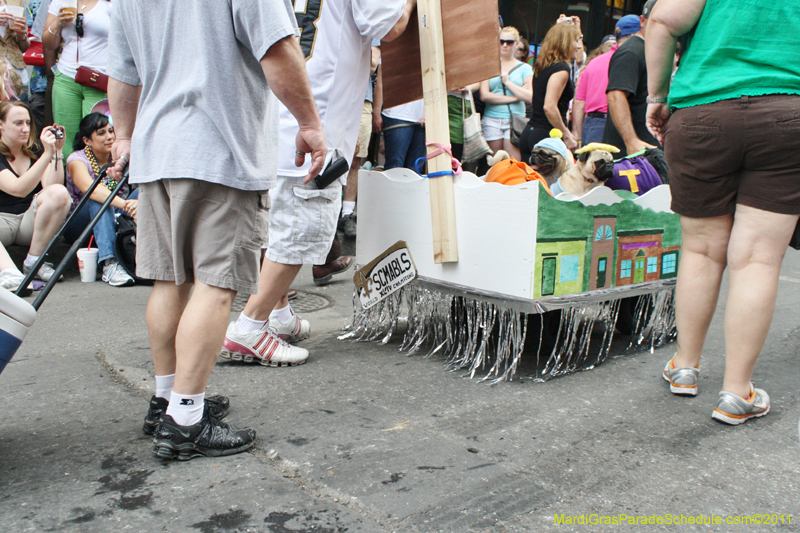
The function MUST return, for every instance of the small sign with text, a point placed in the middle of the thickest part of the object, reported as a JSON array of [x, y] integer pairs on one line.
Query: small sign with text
[[384, 275]]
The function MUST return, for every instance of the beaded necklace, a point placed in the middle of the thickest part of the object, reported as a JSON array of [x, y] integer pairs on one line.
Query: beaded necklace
[[111, 183]]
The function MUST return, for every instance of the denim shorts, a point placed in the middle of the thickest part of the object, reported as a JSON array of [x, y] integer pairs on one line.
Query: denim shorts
[[737, 151], [302, 221]]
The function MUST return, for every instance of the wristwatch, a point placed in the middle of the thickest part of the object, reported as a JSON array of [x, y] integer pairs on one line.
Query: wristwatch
[[658, 100]]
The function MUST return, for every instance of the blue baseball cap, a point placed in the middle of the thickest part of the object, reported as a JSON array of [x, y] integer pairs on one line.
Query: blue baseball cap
[[627, 25]]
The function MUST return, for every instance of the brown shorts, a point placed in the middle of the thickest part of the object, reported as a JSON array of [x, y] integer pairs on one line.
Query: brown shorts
[[191, 230], [738, 151]]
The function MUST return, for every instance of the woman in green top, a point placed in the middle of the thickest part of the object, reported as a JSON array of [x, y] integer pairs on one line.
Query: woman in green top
[[729, 126]]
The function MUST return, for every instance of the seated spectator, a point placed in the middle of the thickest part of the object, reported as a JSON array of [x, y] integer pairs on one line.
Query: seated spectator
[[92, 151], [33, 199]]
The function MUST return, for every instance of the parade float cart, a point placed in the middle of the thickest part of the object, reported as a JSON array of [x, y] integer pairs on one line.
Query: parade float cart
[[476, 270]]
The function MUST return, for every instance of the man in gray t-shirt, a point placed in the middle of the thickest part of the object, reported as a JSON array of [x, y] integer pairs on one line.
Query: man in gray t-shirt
[[199, 82]]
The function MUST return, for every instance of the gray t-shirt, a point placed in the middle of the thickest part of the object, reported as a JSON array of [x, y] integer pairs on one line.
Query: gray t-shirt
[[206, 111]]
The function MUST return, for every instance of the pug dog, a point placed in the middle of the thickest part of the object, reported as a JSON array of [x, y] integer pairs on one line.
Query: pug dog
[[594, 166], [550, 164]]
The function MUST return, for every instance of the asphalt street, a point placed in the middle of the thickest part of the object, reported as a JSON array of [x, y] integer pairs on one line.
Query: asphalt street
[[363, 438]]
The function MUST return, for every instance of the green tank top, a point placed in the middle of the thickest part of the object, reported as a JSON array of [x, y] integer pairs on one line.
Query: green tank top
[[740, 48]]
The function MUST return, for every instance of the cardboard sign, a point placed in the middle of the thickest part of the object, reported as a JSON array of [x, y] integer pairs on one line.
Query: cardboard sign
[[471, 30], [387, 273]]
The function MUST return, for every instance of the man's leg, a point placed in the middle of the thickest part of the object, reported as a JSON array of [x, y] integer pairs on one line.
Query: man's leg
[[335, 263], [199, 337], [272, 286], [347, 222], [164, 310], [187, 330]]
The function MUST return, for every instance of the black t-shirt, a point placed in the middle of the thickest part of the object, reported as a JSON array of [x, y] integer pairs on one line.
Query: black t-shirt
[[538, 118], [12, 204], [627, 72]]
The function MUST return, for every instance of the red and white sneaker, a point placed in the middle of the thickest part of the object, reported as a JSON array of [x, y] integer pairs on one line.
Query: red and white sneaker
[[262, 346], [293, 331]]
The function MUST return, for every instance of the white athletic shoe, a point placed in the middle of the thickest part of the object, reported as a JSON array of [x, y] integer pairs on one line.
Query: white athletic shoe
[[46, 272], [262, 346], [115, 275], [293, 331], [10, 280]]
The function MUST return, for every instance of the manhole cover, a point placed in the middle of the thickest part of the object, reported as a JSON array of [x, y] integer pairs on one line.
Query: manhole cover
[[306, 302]]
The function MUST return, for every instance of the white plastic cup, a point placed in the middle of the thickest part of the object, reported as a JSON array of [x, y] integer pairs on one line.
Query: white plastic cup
[[18, 11], [87, 264], [70, 6]]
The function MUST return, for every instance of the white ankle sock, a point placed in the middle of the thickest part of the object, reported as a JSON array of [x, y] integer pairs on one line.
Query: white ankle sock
[[164, 386], [186, 409], [30, 260], [245, 324], [283, 315], [348, 208]]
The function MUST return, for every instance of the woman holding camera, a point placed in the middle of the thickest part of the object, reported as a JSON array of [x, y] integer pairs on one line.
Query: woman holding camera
[[33, 199], [85, 38], [92, 151]]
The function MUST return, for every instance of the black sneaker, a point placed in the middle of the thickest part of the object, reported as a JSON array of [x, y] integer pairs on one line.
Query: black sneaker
[[217, 406], [210, 437]]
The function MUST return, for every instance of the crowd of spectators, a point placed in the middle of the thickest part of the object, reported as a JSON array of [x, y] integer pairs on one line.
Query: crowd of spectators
[[52, 144], [61, 43]]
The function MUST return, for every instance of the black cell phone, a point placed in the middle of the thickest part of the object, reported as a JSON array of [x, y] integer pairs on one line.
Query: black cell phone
[[334, 171]]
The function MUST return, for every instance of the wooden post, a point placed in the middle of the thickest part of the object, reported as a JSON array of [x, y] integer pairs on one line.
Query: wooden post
[[437, 129]]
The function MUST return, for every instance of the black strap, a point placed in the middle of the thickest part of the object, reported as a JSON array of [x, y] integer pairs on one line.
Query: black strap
[[504, 88]]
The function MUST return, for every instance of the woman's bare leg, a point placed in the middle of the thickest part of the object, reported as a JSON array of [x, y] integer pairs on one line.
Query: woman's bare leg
[[703, 260], [757, 245]]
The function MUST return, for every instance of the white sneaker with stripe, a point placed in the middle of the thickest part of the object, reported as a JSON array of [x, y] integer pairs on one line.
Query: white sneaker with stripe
[[262, 346], [293, 331]]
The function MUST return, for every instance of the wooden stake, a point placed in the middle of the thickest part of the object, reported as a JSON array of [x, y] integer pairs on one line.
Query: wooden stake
[[437, 129]]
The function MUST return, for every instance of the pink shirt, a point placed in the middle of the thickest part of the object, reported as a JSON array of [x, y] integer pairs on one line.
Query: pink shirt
[[593, 82]]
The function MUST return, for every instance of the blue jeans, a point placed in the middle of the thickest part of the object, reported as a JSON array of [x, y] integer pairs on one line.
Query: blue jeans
[[105, 231], [403, 145], [593, 128]]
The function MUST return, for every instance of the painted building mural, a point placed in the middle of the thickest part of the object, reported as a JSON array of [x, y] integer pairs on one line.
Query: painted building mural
[[581, 248]]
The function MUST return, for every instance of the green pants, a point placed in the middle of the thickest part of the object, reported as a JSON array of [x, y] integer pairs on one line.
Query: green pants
[[72, 102]]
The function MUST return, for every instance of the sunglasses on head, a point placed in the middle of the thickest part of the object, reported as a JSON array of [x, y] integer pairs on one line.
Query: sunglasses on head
[[79, 24], [508, 42]]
